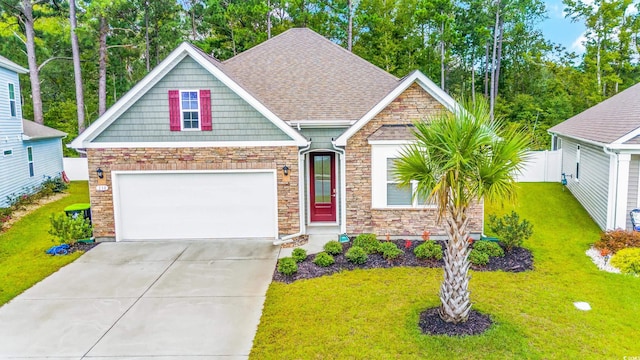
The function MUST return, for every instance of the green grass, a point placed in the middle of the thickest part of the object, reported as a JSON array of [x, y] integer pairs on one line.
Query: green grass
[[373, 314], [23, 261]]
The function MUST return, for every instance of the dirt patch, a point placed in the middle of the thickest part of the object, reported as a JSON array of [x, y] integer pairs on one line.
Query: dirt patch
[[431, 323], [19, 214], [519, 259]]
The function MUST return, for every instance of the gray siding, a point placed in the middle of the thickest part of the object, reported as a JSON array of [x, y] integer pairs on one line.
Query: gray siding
[[321, 137], [592, 189], [632, 195], [233, 118], [14, 169], [9, 126]]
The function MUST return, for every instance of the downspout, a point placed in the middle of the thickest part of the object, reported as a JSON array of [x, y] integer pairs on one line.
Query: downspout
[[289, 238], [612, 204], [343, 187]]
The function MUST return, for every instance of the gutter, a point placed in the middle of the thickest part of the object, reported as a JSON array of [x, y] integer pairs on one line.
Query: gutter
[[289, 238], [343, 187]]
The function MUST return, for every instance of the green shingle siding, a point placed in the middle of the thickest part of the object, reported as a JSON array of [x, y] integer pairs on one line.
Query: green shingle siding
[[321, 137], [233, 118]]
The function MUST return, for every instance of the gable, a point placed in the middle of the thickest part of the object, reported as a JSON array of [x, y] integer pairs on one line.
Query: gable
[[233, 119]]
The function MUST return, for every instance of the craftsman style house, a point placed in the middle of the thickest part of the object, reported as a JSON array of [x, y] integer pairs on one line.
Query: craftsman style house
[[292, 135]]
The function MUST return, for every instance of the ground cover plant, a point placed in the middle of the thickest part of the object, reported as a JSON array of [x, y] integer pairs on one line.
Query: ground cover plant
[[23, 261], [374, 314]]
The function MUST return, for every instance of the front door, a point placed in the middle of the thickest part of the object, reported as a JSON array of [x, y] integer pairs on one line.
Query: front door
[[323, 187]]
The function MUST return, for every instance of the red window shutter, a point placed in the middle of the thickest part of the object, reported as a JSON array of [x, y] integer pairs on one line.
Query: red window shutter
[[174, 110], [205, 110]]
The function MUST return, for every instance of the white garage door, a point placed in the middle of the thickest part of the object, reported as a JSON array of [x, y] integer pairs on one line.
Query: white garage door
[[195, 205]]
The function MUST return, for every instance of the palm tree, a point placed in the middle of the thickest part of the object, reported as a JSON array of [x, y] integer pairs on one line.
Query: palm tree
[[458, 159]]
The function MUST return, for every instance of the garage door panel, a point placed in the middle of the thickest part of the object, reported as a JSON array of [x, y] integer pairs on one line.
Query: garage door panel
[[196, 205]]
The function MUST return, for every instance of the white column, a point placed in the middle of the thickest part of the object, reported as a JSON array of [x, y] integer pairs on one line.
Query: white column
[[623, 190]]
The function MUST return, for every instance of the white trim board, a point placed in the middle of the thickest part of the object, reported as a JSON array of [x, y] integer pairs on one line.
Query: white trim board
[[177, 55], [188, 144]]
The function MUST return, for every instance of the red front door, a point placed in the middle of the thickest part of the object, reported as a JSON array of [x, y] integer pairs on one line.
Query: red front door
[[323, 186]]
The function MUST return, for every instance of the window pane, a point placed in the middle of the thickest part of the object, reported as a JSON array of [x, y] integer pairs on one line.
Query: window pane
[[391, 166], [322, 178], [30, 153], [194, 124], [398, 196], [194, 115], [193, 95], [185, 96], [12, 106], [12, 93], [31, 172]]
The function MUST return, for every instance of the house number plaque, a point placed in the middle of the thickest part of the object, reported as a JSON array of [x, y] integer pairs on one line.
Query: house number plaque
[[102, 188]]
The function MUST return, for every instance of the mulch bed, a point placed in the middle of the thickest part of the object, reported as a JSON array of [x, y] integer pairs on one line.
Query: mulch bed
[[431, 323], [82, 247], [517, 260]]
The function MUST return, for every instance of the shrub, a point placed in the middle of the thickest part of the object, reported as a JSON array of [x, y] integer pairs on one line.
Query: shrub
[[53, 185], [287, 266], [511, 231], [428, 250], [67, 229], [490, 248], [627, 260], [478, 258], [333, 248], [299, 254], [368, 242], [323, 259], [389, 250], [616, 240], [356, 255]]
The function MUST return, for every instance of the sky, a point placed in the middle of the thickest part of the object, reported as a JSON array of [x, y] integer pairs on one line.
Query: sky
[[561, 30]]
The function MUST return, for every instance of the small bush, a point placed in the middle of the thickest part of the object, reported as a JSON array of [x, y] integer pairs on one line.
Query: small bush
[[323, 259], [287, 266], [389, 250], [478, 258], [53, 185], [490, 248], [299, 254], [428, 250], [627, 260], [333, 248], [356, 255], [511, 231], [67, 229], [616, 240], [368, 242]]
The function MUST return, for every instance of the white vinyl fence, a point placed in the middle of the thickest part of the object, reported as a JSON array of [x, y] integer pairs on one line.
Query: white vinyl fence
[[542, 166], [76, 168]]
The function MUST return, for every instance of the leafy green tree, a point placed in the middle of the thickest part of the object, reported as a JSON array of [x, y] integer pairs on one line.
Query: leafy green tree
[[458, 159]]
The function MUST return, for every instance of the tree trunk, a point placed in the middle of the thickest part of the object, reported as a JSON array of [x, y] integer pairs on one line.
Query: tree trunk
[[473, 77], [454, 291], [350, 28], [442, 75], [486, 72], [77, 71], [34, 76], [498, 62], [147, 54], [492, 99], [102, 67], [268, 19]]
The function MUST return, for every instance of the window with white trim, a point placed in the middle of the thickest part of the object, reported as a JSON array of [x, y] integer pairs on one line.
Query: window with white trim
[[190, 110], [401, 196], [30, 161], [12, 100], [7, 152]]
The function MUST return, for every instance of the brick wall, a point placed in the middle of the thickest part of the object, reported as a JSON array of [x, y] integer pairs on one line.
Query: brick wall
[[413, 104], [193, 159]]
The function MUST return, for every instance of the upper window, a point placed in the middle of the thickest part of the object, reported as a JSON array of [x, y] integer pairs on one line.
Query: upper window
[[190, 109], [12, 100]]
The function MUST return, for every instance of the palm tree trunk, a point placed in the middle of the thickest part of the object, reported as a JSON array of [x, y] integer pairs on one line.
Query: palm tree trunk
[[454, 291]]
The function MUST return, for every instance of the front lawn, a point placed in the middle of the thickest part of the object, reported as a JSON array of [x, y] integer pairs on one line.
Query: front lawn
[[23, 261], [373, 314]]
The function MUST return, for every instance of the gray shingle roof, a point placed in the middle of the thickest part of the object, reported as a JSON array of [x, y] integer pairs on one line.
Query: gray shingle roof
[[36, 131], [8, 64], [300, 75], [393, 132], [607, 121]]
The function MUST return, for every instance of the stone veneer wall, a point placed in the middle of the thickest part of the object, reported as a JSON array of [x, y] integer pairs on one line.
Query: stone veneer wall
[[411, 105], [225, 158]]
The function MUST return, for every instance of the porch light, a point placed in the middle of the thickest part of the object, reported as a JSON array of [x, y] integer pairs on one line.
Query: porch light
[[100, 173], [285, 170]]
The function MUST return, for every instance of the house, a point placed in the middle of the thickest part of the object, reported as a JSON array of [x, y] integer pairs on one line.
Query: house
[[30, 152], [601, 157], [294, 135]]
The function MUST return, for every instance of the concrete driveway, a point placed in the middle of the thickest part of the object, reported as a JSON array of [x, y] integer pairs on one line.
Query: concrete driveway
[[166, 300]]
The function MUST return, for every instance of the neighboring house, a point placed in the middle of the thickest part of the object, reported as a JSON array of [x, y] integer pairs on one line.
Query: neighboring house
[[601, 157], [30, 152], [293, 136]]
